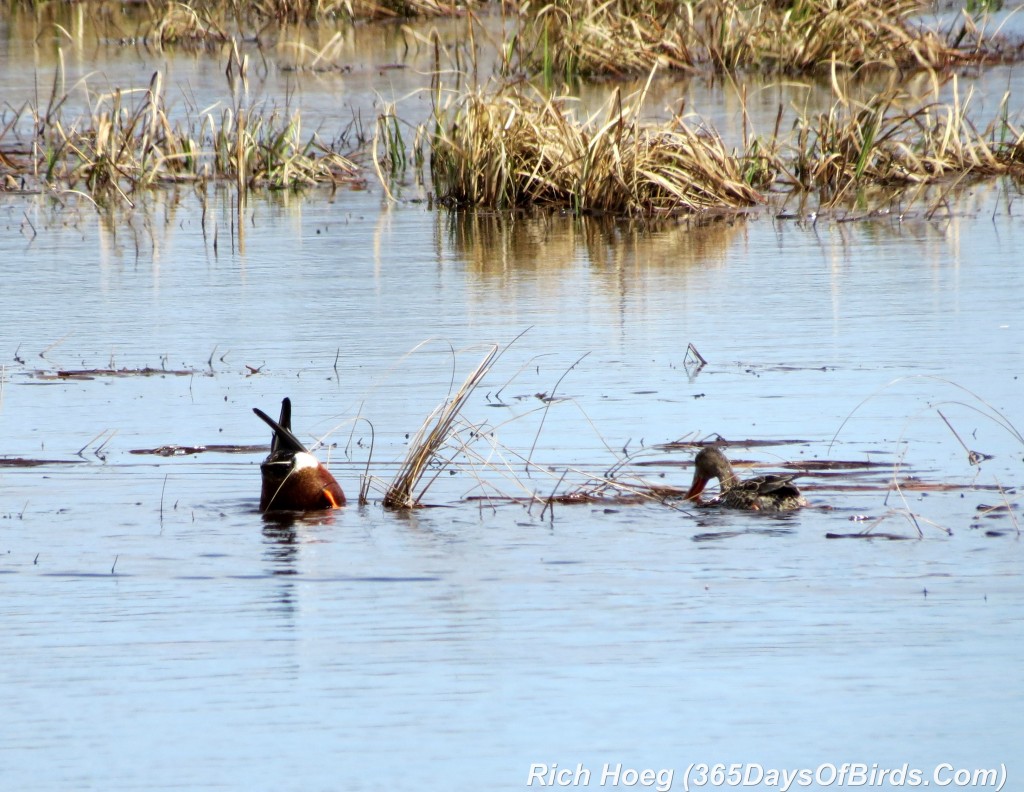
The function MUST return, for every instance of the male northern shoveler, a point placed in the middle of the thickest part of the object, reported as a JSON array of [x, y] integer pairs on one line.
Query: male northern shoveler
[[764, 493], [294, 479]]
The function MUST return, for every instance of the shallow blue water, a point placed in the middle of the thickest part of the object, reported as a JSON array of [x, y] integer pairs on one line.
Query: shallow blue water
[[161, 634]]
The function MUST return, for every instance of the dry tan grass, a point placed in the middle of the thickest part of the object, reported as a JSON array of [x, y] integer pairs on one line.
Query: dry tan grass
[[184, 23], [590, 38], [504, 150], [405, 491], [510, 147], [894, 140], [808, 35], [127, 142], [206, 23], [571, 38]]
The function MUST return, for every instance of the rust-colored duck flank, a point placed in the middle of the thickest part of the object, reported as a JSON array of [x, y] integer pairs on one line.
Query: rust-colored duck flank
[[763, 493], [294, 479]]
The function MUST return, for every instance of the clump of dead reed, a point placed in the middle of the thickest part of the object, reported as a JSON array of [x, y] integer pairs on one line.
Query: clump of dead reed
[[611, 37], [128, 142], [405, 492], [894, 140], [801, 36], [504, 149]]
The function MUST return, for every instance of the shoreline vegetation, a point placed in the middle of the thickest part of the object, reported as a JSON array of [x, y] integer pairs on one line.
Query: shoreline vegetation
[[520, 139], [789, 37]]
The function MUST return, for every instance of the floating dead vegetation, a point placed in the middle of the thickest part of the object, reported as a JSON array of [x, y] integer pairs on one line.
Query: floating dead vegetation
[[834, 483], [145, 371], [1006, 509], [94, 373], [821, 465], [914, 484], [869, 535], [999, 510], [444, 446], [602, 493], [573, 38], [717, 536], [22, 462], [174, 450], [503, 149], [613, 489], [694, 442]]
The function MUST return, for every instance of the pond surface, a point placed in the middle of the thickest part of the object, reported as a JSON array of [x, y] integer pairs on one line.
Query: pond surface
[[161, 634]]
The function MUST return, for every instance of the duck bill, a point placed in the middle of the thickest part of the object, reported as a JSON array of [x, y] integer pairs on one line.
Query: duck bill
[[699, 482]]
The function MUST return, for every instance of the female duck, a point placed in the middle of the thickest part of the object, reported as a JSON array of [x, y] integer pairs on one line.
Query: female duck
[[764, 493]]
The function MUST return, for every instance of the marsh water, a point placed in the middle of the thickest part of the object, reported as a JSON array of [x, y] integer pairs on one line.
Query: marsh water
[[159, 633]]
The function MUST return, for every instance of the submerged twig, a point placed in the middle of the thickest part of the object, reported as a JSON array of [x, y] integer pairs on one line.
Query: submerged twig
[[91, 441], [364, 485], [55, 344], [550, 502], [973, 457], [692, 353]]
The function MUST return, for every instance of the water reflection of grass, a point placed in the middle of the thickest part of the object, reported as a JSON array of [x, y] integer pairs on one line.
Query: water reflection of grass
[[546, 245]]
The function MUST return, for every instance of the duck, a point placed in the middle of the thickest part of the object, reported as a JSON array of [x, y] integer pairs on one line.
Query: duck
[[772, 493], [294, 479]]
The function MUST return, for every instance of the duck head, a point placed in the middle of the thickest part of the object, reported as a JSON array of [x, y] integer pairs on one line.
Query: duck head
[[709, 464]]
